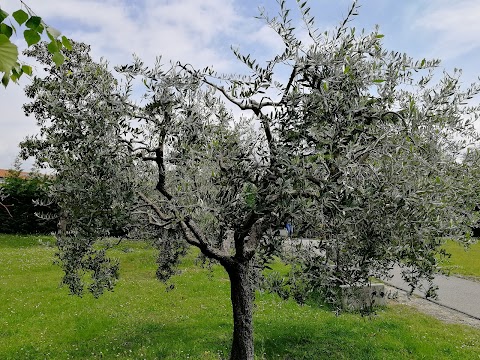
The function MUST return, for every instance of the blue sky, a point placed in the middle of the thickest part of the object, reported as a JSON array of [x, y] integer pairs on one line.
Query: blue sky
[[201, 33]]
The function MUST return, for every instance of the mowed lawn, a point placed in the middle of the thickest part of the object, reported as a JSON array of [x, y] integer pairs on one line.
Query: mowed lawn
[[141, 320], [464, 261]]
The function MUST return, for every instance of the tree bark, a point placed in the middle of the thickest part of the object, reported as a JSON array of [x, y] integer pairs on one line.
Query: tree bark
[[242, 296]]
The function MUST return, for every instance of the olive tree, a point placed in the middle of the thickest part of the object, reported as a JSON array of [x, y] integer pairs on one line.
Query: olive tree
[[75, 107], [358, 146]]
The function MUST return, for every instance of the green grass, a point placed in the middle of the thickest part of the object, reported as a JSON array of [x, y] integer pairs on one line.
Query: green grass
[[141, 320], [464, 261]]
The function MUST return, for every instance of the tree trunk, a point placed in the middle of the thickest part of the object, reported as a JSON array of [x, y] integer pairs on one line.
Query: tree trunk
[[242, 303]]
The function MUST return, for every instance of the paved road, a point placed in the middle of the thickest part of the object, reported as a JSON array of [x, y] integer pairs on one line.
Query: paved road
[[456, 293]]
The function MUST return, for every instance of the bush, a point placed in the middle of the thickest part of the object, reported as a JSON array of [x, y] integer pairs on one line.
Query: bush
[[23, 199]]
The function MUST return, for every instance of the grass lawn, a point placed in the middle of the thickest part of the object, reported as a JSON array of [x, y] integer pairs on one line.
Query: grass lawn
[[464, 261], [141, 320]]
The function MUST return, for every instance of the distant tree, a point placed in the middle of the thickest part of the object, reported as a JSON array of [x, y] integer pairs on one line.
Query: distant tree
[[11, 68], [356, 146]]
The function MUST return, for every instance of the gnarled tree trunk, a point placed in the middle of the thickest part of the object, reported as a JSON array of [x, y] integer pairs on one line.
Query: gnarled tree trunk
[[242, 296]]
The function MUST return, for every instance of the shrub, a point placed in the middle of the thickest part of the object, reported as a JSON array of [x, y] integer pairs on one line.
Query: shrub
[[24, 199]]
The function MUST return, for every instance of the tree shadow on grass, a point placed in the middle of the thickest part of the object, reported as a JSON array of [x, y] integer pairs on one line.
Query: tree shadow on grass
[[193, 340], [328, 339], [290, 336], [157, 341]]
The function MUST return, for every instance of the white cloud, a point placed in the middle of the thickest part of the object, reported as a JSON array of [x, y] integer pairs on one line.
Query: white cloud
[[187, 30], [454, 26], [14, 126], [200, 32]]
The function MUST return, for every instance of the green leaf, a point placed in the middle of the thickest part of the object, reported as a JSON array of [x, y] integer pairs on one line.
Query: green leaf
[[15, 77], [5, 79], [378, 81], [17, 69], [4, 39], [16, 72], [8, 54], [54, 32], [66, 43], [3, 15], [20, 16], [31, 37], [34, 22], [52, 47], [6, 30], [50, 36], [27, 70], [379, 36], [58, 58]]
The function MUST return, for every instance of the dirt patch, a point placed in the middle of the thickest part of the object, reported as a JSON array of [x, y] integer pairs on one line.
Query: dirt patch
[[442, 313]]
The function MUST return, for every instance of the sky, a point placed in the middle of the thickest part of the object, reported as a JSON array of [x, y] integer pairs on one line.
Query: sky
[[201, 32]]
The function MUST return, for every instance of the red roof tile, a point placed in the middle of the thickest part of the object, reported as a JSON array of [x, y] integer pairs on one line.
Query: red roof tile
[[5, 173]]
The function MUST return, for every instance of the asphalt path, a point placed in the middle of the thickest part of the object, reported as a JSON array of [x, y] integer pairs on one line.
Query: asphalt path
[[455, 293]]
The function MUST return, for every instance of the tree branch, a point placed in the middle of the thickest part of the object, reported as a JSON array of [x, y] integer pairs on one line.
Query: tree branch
[[242, 234], [6, 208], [191, 231], [159, 159], [194, 237], [253, 240], [155, 208], [250, 103], [151, 220], [147, 158], [189, 236], [266, 127], [289, 84]]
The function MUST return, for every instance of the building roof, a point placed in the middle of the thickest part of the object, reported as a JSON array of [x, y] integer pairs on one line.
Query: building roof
[[5, 173]]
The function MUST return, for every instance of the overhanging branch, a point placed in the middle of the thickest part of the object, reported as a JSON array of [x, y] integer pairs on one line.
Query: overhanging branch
[[194, 237], [155, 208]]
